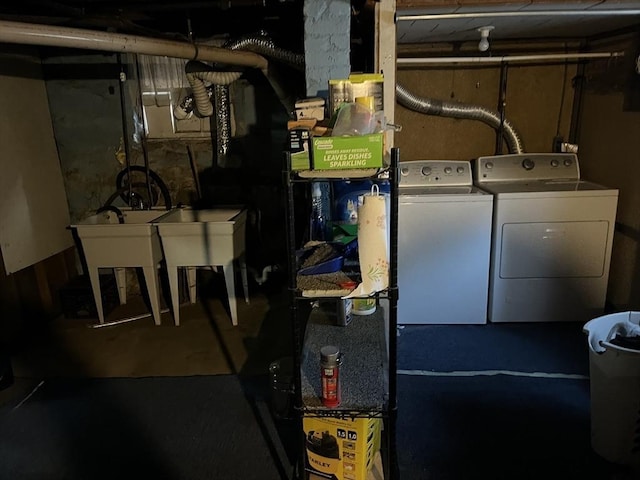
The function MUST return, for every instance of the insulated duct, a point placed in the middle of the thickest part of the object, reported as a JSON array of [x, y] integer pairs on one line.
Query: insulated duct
[[443, 108], [198, 73]]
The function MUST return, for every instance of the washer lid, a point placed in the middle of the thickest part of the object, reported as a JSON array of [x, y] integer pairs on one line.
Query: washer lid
[[462, 190], [543, 186]]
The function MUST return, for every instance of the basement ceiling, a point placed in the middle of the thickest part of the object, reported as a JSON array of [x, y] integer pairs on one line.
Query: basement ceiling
[[173, 19], [514, 20]]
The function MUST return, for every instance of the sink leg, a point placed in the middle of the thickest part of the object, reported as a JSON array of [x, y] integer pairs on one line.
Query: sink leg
[[231, 291], [121, 282], [151, 279], [175, 293], [191, 281], [94, 276], [245, 279]]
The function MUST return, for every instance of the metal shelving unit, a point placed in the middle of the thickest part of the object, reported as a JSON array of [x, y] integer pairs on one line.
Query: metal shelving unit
[[368, 375]]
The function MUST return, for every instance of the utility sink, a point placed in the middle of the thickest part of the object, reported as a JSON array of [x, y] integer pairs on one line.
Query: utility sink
[[204, 238], [107, 243]]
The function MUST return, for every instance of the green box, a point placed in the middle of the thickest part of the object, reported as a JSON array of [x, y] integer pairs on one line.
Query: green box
[[299, 141], [300, 161], [339, 153]]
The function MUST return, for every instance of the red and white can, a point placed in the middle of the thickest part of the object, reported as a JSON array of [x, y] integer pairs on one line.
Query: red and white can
[[330, 361]]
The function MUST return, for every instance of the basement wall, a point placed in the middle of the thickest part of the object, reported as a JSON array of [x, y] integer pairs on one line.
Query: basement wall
[[535, 105], [609, 138]]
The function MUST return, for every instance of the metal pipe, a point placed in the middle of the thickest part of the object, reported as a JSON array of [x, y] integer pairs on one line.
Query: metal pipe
[[34, 34], [519, 13], [143, 137], [502, 105], [507, 58], [125, 129], [127, 319]]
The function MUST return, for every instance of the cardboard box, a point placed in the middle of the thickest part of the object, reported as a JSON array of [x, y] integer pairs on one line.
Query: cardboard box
[[300, 148], [357, 85], [341, 449], [310, 108], [339, 153]]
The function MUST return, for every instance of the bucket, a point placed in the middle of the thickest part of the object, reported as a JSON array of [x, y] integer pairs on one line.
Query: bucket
[[615, 390]]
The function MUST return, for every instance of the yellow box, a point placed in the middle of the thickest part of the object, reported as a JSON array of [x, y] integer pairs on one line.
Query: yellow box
[[341, 448], [358, 85]]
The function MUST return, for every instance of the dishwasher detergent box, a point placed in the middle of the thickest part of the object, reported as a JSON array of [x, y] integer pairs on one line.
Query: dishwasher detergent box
[[299, 142], [338, 448], [340, 153]]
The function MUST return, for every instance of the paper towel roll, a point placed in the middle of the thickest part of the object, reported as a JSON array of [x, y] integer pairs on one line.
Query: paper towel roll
[[373, 245]]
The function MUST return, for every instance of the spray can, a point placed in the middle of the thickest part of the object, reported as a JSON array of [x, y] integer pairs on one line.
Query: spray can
[[330, 361], [345, 311]]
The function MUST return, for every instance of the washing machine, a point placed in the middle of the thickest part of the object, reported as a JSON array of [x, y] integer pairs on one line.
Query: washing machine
[[552, 238], [444, 242]]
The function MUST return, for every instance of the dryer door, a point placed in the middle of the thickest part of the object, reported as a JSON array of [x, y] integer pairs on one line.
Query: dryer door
[[554, 249]]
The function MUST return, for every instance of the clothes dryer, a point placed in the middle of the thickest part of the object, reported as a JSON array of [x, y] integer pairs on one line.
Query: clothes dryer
[[552, 238], [444, 242]]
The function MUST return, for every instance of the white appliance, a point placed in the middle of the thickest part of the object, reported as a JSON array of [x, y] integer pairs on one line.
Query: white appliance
[[552, 238], [444, 243]]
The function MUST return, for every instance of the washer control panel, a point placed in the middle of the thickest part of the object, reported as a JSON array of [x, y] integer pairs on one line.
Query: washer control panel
[[527, 166], [435, 173]]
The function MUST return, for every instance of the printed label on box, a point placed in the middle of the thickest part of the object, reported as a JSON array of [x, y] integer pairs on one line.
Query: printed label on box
[[341, 449], [339, 153]]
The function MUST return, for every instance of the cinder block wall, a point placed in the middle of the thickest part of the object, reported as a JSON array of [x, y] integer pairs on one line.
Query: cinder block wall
[[327, 29]]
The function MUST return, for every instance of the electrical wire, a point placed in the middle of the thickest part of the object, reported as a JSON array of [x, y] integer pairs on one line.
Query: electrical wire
[[143, 139], [562, 95]]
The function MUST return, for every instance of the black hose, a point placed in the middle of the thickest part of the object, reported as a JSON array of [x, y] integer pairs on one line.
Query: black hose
[[152, 176], [121, 191], [111, 208]]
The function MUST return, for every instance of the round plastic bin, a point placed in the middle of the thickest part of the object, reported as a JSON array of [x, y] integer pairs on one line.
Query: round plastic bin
[[615, 388]]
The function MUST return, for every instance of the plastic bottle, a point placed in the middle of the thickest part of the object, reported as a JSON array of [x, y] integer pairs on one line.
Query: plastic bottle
[[318, 223]]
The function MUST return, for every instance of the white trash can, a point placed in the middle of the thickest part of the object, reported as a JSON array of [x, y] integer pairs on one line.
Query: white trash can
[[615, 388]]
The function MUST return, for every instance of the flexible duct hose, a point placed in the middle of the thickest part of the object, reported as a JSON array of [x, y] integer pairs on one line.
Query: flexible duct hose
[[222, 101], [198, 73], [261, 44], [442, 108]]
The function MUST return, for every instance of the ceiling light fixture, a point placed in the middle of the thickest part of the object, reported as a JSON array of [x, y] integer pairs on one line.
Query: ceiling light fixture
[[483, 45]]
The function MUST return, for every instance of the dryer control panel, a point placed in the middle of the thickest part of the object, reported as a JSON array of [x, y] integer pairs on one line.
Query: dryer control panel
[[435, 173], [527, 167]]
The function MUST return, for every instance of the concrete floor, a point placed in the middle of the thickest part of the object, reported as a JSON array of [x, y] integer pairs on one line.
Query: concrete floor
[[206, 343]]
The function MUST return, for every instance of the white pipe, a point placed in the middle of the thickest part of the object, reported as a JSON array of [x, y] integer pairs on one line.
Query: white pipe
[[35, 34], [507, 58], [519, 13]]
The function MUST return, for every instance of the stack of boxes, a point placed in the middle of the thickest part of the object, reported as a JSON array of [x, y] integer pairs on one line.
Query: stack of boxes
[[310, 146]]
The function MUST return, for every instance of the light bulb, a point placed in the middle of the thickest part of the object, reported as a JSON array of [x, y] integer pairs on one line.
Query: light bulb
[[483, 45]]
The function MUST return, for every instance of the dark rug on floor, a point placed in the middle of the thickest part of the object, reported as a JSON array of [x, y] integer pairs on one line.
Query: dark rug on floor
[[499, 428], [531, 347], [448, 428], [158, 428]]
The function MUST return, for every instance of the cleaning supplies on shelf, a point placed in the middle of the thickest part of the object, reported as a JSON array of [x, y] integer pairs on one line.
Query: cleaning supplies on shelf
[[318, 221]]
